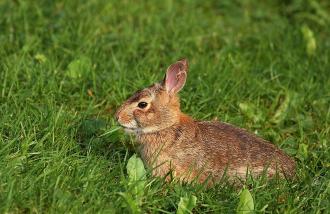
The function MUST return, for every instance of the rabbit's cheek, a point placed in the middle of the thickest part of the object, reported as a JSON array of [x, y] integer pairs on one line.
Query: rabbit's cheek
[[137, 113], [138, 116], [150, 116]]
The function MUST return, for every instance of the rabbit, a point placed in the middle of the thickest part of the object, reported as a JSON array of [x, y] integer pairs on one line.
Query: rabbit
[[177, 146]]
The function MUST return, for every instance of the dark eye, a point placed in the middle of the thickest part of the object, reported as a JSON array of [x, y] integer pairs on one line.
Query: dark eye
[[142, 105]]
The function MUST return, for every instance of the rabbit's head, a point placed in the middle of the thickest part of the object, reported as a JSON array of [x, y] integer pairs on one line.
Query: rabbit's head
[[156, 107]]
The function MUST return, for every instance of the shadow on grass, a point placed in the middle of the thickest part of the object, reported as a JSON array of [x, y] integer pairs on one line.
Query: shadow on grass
[[96, 136]]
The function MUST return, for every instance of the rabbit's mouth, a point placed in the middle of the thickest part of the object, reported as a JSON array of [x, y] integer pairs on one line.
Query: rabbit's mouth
[[133, 127], [130, 125], [129, 128]]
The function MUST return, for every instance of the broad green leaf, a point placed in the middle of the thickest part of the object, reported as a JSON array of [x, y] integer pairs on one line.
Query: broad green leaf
[[251, 111], [186, 204], [283, 108], [245, 204], [78, 67], [309, 40], [302, 151], [136, 175], [135, 169], [40, 58]]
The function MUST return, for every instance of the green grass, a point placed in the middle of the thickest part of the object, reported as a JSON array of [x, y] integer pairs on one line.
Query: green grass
[[65, 66]]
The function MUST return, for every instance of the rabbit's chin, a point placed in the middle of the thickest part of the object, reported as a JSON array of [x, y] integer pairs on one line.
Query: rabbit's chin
[[133, 131], [132, 127]]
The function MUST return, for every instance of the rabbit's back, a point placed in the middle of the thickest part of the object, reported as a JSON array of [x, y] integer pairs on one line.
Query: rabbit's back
[[238, 150]]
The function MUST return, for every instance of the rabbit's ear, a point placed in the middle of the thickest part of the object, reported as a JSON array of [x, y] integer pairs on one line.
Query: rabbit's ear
[[176, 76]]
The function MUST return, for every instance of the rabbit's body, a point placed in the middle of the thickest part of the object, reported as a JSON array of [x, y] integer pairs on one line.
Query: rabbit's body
[[173, 142], [209, 148]]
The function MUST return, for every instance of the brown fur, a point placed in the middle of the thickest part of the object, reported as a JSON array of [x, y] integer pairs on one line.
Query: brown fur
[[172, 141]]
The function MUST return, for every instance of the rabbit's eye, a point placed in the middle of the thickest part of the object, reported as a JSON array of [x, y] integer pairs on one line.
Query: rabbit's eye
[[142, 105]]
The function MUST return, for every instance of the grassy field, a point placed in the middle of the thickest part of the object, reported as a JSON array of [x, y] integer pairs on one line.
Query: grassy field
[[65, 66]]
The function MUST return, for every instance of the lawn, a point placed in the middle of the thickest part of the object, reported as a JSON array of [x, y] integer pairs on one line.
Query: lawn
[[65, 66]]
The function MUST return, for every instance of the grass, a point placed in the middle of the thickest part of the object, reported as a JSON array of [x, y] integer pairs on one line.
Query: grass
[[65, 66]]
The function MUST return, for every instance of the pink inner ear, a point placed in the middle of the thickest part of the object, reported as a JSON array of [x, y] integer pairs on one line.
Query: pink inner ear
[[175, 77], [171, 76]]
